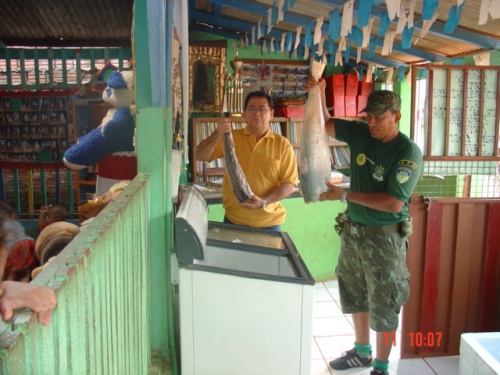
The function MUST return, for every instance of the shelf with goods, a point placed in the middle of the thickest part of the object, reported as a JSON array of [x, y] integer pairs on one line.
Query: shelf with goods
[[34, 126], [339, 151], [202, 127], [86, 117]]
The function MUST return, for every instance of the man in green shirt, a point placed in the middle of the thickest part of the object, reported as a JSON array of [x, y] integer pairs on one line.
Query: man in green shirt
[[372, 274]]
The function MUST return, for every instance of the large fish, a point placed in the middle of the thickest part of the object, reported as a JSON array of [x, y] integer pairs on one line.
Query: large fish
[[237, 178], [314, 163]]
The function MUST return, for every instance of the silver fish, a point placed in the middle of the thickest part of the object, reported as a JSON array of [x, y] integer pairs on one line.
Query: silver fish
[[237, 179], [315, 162]]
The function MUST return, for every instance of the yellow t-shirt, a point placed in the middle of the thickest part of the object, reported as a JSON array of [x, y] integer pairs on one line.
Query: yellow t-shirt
[[266, 164]]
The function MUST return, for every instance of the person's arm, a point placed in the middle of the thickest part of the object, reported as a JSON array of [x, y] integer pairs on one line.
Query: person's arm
[[278, 193], [329, 120], [41, 218], [206, 147], [377, 201], [17, 295]]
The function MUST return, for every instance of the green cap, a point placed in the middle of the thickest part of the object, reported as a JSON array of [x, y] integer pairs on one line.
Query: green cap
[[381, 101]]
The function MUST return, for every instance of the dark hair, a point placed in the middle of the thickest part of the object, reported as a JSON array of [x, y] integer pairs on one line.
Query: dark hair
[[259, 94], [59, 211], [54, 247]]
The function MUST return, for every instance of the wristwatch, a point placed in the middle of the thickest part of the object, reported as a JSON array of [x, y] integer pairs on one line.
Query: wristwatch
[[343, 197], [264, 203]]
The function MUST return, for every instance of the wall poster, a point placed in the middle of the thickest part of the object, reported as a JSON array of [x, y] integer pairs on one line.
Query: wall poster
[[284, 81]]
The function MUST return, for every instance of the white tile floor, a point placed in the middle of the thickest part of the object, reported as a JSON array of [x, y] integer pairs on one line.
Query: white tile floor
[[333, 333]]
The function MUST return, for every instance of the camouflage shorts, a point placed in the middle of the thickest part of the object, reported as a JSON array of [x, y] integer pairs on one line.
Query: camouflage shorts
[[373, 276]]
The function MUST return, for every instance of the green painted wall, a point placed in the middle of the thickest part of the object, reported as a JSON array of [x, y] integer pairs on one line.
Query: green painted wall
[[404, 90], [311, 228]]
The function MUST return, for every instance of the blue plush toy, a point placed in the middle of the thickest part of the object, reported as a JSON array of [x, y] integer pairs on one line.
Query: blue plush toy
[[114, 136]]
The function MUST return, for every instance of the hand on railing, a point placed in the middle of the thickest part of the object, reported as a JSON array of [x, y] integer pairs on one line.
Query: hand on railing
[[16, 295]]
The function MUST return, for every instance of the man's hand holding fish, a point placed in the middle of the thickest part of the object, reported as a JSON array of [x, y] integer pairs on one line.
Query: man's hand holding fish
[[333, 193], [260, 166]]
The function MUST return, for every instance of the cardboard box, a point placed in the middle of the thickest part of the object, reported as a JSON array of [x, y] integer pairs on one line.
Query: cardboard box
[[365, 88], [351, 85], [338, 104], [335, 101], [350, 106], [330, 101], [362, 101], [335, 85], [290, 111]]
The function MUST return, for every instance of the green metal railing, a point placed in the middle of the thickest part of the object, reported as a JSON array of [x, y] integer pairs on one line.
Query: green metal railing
[[102, 321]]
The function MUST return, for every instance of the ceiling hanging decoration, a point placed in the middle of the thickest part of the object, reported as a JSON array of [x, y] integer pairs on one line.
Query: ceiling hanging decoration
[[454, 18], [347, 15], [491, 7], [341, 34], [429, 8], [364, 13]]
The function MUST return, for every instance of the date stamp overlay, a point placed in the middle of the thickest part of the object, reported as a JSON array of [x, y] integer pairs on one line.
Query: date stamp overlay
[[417, 339]]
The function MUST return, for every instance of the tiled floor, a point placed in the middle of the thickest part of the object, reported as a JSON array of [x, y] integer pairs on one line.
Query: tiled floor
[[333, 333]]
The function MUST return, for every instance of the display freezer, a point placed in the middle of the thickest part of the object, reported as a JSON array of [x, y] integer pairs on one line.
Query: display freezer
[[245, 297]]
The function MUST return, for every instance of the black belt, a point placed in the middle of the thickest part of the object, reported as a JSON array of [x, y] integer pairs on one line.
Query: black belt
[[363, 230]]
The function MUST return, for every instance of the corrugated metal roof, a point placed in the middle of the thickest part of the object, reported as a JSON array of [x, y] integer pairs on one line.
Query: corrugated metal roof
[[68, 23], [106, 23]]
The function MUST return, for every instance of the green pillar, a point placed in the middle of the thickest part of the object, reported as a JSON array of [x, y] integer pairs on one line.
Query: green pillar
[[151, 42]]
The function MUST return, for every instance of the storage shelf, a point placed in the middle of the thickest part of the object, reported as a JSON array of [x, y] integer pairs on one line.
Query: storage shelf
[[34, 127]]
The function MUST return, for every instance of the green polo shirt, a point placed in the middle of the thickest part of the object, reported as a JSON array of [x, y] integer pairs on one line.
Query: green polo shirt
[[379, 167]]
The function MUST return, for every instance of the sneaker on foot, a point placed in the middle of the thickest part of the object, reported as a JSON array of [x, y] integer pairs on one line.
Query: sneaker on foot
[[377, 371], [351, 359]]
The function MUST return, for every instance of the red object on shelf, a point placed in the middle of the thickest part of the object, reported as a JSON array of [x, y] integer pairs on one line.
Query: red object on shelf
[[335, 85], [365, 88], [351, 85], [338, 104], [362, 101], [350, 106], [290, 111]]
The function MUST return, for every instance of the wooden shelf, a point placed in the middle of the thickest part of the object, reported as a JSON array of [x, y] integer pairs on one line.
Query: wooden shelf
[[34, 127], [89, 183]]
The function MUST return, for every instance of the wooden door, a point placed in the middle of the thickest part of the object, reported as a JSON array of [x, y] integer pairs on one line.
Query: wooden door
[[454, 261]]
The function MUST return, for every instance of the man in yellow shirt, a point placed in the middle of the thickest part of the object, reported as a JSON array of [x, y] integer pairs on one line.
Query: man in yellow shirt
[[266, 158]]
